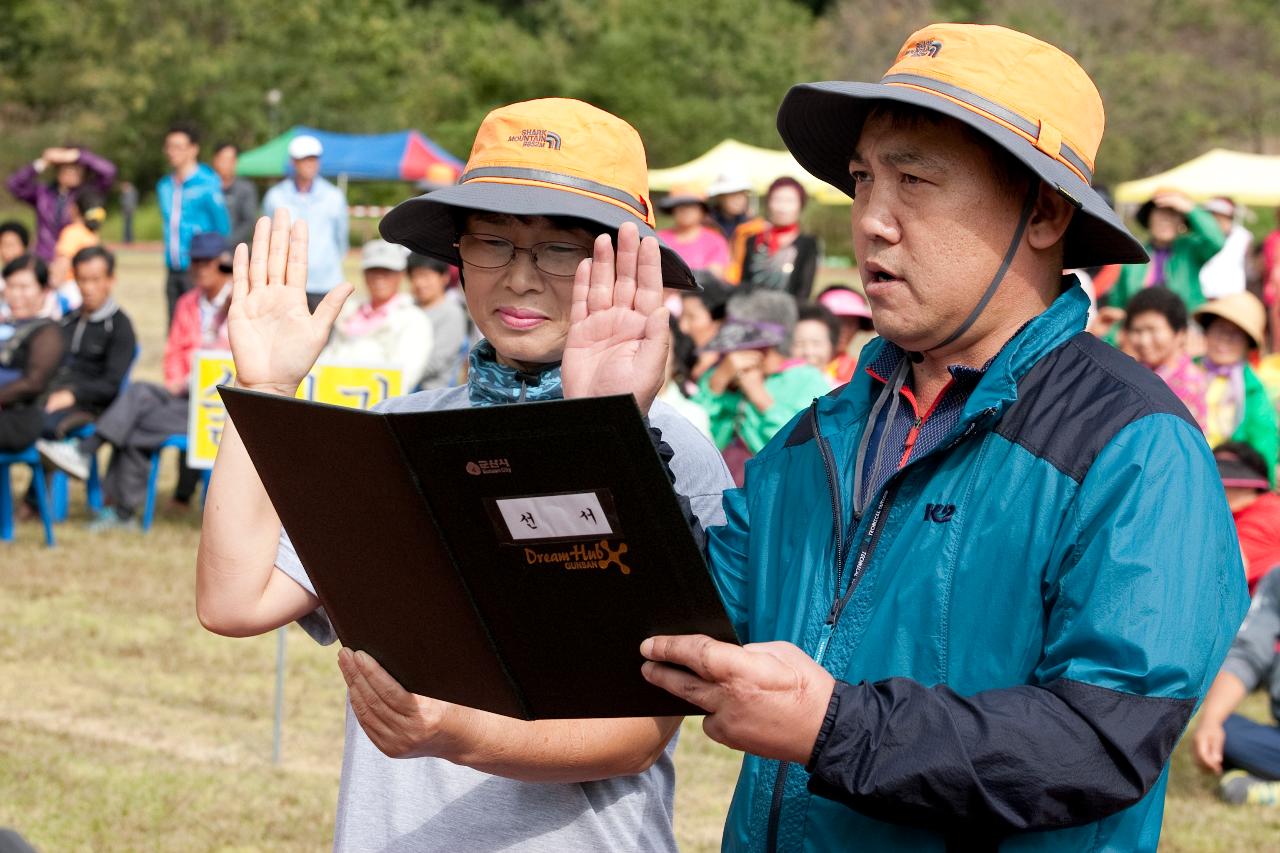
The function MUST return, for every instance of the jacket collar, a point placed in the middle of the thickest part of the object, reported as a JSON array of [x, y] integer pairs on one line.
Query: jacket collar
[[998, 387], [108, 309]]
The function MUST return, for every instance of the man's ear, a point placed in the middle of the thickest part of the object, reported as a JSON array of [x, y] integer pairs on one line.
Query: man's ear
[[1049, 219]]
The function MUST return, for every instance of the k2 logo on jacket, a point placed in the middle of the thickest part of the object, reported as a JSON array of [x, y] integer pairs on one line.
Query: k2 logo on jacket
[[939, 513]]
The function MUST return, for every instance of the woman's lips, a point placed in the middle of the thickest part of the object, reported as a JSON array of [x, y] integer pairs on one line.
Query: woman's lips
[[520, 319]]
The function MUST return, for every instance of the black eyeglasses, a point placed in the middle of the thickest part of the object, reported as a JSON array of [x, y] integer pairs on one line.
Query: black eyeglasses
[[490, 252]]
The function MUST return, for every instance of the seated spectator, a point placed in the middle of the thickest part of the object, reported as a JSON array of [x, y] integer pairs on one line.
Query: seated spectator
[[816, 336], [13, 245], [101, 346], [30, 349], [755, 389], [429, 282], [387, 328], [146, 414], [679, 387], [701, 314], [1254, 507], [701, 246], [782, 257], [730, 202], [1237, 402], [14, 240], [1155, 325], [1245, 752], [1183, 238], [86, 214], [856, 328]]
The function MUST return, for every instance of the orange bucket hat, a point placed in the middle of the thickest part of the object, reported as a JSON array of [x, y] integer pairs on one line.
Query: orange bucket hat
[[548, 157], [1026, 96]]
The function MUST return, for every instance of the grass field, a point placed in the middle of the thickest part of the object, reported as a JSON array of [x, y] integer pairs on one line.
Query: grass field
[[125, 726]]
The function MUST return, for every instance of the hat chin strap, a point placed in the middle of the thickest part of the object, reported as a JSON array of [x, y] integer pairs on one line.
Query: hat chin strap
[[864, 481], [1028, 206]]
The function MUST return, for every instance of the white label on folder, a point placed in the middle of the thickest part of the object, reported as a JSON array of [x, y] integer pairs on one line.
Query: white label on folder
[[554, 516]]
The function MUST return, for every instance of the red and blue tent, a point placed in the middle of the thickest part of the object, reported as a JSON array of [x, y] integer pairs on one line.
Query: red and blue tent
[[406, 155]]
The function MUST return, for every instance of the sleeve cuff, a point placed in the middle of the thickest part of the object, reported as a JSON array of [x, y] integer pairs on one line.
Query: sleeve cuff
[[1241, 669], [828, 723], [316, 623]]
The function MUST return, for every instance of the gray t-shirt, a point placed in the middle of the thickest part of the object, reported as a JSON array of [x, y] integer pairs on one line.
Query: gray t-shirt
[[420, 804], [449, 324]]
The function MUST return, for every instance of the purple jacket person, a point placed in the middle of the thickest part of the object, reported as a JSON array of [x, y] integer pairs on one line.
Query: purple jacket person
[[74, 166]]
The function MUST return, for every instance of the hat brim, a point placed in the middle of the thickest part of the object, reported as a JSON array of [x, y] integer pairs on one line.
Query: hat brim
[[1237, 319], [820, 124], [737, 335], [426, 225], [1238, 475], [671, 202]]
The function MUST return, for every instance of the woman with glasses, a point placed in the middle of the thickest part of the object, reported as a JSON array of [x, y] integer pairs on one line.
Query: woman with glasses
[[552, 229]]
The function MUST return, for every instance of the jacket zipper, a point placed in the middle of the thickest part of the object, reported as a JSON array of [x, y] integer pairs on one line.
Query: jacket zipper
[[871, 538]]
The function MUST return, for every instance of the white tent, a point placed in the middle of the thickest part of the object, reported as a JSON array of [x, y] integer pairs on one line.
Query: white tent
[[760, 165], [1246, 178]]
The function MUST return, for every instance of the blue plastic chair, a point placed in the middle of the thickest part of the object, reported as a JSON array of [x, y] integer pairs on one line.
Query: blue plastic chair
[[177, 441], [31, 458]]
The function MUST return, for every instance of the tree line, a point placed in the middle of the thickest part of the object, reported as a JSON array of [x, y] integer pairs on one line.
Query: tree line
[[1177, 76]]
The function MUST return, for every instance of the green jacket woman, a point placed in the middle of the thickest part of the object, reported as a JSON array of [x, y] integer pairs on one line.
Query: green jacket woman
[[1178, 265], [731, 413]]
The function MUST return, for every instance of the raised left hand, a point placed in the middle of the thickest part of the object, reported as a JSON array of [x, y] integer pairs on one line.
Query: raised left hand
[[618, 333], [399, 723], [768, 699]]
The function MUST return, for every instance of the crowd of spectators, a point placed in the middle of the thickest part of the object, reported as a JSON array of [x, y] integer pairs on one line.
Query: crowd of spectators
[[67, 346]]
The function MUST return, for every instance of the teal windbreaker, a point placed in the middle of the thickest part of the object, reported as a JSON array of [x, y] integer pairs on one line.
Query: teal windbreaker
[[1021, 624]]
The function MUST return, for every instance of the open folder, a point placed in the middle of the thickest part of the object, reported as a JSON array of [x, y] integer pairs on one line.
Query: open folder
[[508, 558]]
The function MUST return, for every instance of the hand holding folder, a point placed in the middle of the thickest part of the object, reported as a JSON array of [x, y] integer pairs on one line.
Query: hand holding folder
[[508, 560]]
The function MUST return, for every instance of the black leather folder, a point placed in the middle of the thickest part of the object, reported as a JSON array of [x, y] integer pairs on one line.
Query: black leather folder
[[509, 558]]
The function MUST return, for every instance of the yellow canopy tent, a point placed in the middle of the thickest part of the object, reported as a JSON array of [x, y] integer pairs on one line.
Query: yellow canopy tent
[[1246, 178], [760, 165]]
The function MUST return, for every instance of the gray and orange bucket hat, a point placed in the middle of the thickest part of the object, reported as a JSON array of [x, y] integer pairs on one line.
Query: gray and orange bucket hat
[[547, 157], [1024, 95]]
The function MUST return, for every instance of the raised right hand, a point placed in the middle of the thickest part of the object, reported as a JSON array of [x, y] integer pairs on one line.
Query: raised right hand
[[275, 340]]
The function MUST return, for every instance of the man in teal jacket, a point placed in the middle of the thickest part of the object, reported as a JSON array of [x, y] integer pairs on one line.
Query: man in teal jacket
[[191, 203], [985, 584]]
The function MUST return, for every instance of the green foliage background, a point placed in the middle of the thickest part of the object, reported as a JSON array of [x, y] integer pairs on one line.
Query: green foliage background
[[1178, 76]]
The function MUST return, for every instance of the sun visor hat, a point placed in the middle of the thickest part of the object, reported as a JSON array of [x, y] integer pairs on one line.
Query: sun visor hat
[[736, 334], [549, 157], [682, 195], [1024, 95], [1236, 474], [1243, 309]]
